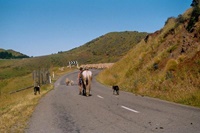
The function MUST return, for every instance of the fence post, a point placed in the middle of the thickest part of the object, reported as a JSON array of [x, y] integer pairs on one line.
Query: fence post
[[41, 76]]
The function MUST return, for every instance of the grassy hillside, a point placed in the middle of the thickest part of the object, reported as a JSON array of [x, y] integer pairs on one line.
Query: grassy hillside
[[107, 48], [166, 64], [111, 47], [11, 54]]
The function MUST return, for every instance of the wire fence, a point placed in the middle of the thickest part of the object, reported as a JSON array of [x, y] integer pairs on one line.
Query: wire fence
[[40, 77]]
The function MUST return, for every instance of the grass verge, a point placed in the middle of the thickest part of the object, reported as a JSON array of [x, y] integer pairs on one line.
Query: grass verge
[[16, 109]]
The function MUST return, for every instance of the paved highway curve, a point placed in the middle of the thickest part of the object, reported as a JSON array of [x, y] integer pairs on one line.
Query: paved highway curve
[[64, 111]]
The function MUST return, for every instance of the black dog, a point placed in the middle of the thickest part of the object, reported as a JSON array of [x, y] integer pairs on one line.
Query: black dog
[[115, 89], [36, 89]]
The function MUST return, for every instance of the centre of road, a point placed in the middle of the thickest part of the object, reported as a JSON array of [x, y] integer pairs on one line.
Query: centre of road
[[100, 96], [124, 107], [135, 111]]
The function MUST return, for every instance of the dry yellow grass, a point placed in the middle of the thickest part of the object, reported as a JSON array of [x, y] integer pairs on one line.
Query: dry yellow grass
[[171, 65], [16, 108], [174, 78]]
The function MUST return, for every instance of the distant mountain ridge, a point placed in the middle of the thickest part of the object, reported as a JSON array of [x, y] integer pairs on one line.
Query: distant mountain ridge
[[11, 54], [104, 49], [107, 48]]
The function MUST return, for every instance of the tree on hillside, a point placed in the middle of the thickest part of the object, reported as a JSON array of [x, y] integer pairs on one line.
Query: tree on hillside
[[195, 14], [5, 55], [195, 3]]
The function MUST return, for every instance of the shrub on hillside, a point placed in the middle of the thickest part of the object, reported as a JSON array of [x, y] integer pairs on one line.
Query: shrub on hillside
[[171, 65], [170, 19], [180, 19], [156, 62], [194, 18], [181, 58], [172, 48]]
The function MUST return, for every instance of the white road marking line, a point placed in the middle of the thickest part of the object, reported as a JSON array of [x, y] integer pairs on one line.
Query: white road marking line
[[100, 96], [130, 109]]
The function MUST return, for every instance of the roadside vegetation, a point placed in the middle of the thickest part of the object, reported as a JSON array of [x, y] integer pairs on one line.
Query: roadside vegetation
[[165, 65], [11, 54], [107, 48], [16, 108]]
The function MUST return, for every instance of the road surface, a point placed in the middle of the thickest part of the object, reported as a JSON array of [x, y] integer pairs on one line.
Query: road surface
[[63, 110]]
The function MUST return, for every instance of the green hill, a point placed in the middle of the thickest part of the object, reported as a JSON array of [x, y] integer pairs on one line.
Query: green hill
[[166, 64], [11, 54], [107, 48]]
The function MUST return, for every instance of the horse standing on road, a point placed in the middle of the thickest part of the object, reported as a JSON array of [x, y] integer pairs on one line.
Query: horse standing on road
[[87, 79]]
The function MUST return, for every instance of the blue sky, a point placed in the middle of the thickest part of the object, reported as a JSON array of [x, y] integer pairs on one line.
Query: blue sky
[[43, 27]]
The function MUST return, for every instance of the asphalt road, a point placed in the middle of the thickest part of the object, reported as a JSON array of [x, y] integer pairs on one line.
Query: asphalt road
[[64, 111]]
